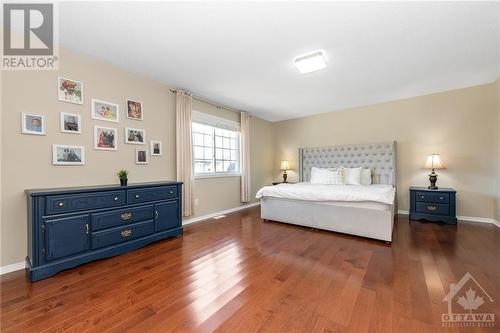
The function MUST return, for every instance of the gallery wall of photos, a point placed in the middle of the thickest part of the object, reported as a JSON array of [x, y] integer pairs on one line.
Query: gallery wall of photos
[[105, 137]]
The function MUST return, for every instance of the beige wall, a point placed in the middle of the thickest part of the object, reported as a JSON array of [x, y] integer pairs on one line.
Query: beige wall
[[26, 160], [497, 88], [457, 124], [220, 193]]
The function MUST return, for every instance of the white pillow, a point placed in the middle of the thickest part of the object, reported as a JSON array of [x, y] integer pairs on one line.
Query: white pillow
[[366, 176], [352, 176], [326, 176]]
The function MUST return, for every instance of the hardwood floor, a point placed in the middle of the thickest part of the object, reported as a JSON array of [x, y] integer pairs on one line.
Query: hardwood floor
[[239, 274]]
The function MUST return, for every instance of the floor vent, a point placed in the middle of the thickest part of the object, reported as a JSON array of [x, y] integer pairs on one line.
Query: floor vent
[[219, 217]]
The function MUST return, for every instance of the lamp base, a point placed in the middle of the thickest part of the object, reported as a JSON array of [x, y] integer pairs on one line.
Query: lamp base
[[284, 176], [433, 179]]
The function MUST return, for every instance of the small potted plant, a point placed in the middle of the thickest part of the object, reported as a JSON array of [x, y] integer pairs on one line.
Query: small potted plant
[[123, 175]]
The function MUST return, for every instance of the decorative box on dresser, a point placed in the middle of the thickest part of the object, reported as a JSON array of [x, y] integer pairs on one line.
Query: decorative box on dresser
[[71, 226], [433, 205]]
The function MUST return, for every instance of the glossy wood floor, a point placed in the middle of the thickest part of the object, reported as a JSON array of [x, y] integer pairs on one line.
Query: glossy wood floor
[[239, 274]]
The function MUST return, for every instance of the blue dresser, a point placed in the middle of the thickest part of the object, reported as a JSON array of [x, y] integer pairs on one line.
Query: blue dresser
[[433, 205], [71, 226]]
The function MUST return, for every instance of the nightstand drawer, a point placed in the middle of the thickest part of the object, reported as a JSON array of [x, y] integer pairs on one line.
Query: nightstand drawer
[[432, 208], [443, 198]]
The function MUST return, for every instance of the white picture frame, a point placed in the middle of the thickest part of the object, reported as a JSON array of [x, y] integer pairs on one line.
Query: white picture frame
[[32, 123], [132, 108], [68, 95], [141, 156], [67, 124], [135, 136], [59, 150], [106, 111], [101, 142], [156, 148]]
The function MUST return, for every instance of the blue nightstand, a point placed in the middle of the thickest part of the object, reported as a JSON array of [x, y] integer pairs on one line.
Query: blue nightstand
[[433, 205]]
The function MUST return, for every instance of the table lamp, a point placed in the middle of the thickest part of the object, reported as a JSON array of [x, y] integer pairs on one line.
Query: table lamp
[[284, 166], [433, 162]]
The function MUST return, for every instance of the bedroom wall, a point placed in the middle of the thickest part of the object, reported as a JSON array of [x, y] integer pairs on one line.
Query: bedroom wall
[[460, 125], [220, 193], [26, 160], [497, 88]]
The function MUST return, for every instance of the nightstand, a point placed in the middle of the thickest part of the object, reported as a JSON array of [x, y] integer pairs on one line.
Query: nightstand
[[433, 205], [276, 183]]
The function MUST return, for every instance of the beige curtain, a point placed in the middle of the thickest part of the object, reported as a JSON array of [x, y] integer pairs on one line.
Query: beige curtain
[[184, 152], [245, 157]]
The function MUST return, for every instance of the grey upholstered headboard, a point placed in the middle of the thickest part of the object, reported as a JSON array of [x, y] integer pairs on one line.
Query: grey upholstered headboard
[[379, 157]]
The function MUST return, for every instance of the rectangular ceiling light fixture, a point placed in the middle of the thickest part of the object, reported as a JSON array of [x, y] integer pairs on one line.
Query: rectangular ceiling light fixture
[[310, 62]]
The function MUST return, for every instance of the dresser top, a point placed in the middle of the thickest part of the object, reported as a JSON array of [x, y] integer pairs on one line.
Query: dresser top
[[441, 189], [95, 188]]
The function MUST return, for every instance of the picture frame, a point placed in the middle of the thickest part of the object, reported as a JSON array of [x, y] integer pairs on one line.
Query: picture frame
[[135, 109], [69, 90], [141, 156], [135, 136], [106, 111], [32, 124], [156, 148], [71, 123], [105, 138], [68, 155]]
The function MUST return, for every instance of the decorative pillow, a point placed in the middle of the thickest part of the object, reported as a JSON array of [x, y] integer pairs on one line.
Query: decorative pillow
[[366, 176], [326, 176], [352, 176]]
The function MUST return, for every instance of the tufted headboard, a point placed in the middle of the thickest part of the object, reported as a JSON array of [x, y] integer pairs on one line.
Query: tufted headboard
[[379, 157]]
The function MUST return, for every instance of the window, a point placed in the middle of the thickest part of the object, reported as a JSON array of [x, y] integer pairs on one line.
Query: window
[[216, 150]]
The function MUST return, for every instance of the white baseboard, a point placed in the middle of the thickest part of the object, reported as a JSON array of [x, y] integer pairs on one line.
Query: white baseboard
[[466, 218], [221, 212], [12, 267]]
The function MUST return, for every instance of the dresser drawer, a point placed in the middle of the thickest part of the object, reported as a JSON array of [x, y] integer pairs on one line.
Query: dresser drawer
[[121, 217], [57, 204], [432, 208], [151, 194], [432, 197], [123, 234]]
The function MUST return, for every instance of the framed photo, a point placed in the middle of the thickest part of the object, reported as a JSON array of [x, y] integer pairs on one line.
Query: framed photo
[[135, 136], [135, 110], [68, 155], [141, 156], [156, 149], [32, 123], [71, 123], [105, 138], [69, 90], [107, 111]]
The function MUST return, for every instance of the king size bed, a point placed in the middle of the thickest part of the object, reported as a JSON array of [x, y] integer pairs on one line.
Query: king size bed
[[362, 210]]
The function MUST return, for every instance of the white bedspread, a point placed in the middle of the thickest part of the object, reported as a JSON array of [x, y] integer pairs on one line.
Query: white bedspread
[[315, 192]]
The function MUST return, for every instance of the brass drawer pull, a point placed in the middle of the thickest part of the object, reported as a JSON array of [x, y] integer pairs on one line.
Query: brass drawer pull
[[60, 205], [171, 191], [432, 208], [87, 228], [126, 233], [441, 198], [126, 216], [137, 196], [115, 199]]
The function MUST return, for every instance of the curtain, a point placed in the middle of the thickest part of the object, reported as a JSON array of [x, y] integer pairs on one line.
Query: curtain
[[245, 157], [184, 152]]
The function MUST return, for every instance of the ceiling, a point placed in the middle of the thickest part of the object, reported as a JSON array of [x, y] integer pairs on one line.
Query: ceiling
[[240, 54]]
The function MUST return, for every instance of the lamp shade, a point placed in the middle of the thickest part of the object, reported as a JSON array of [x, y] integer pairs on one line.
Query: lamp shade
[[284, 165], [434, 162]]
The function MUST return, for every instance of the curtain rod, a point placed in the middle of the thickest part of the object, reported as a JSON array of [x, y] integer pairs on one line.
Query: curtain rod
[[201, 99]]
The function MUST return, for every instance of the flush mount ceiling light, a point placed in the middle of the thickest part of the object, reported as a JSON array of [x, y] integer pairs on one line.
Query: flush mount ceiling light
[[310, 62]]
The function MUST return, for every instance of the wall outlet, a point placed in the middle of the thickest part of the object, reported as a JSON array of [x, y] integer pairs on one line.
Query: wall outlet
[[196, 202]]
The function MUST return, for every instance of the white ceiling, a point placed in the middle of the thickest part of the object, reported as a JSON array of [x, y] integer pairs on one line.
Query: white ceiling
[[240, 54]]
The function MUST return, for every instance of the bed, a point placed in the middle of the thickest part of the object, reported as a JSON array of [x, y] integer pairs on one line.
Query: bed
[[366, 211]]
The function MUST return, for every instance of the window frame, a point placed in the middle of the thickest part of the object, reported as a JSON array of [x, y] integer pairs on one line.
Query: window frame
[[212, 121]]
